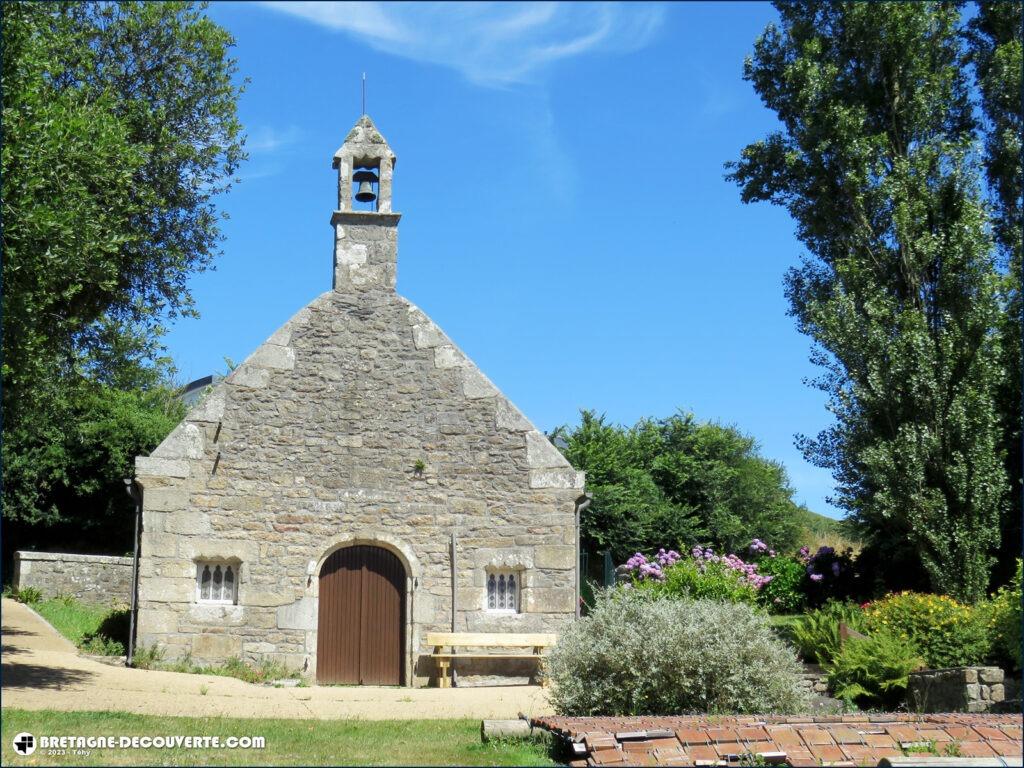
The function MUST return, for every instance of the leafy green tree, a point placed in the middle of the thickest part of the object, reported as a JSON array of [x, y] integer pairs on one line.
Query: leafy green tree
[[676, 482], [994, 35], [900, 289], [120, 129]]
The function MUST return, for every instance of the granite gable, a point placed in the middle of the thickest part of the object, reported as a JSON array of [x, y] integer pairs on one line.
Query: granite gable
[[308, 506]]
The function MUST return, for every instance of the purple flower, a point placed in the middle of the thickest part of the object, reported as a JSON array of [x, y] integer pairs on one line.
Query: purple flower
[[635, 561], [816, 577], [667, 558], [835, 569]]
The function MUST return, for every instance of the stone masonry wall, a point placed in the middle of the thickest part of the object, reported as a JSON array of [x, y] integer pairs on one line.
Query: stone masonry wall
[[958, 689], [311, 444], [90, 578]]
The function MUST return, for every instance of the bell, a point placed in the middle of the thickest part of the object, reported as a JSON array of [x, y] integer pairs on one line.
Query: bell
[[365, 193], [366, 179]]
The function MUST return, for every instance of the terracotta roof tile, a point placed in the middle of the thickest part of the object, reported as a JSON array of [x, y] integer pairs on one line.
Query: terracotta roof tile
[[813, 736], [976, 749], [879, 740], [990, 733], [752, 733], [902, 732], [693, 736], [861, 739], [703, 753], [1006, 748], [860, 754], [606, 756], [730, 748], [959, 732], [721, 734], [827, 752], [784, 736], [847, 736]]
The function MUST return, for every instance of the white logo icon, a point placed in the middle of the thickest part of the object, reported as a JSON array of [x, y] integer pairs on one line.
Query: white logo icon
[[25, 744]]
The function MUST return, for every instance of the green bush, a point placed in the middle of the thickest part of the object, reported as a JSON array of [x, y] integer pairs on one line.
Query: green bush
[[1003, 620], [784, 593], [873, 671], [947, 633], [816, 634], [27, 595], [111, 637], [640, 654], [690, 579], [100, 645], [147, 657]]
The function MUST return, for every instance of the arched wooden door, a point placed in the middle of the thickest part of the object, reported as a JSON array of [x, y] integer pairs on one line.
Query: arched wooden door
[[361, 622]]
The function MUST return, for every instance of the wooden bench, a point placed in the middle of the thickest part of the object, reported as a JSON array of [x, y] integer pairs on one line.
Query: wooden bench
[[453, 640]]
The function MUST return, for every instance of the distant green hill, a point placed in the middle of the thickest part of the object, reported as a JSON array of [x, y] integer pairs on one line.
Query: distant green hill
[[820, 530]]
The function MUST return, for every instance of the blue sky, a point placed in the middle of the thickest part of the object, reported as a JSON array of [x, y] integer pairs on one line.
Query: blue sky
[[565, 214]]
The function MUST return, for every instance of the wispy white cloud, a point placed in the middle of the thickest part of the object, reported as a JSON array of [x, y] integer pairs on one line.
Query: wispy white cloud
[[266, 139], [489, 43], [265, 143]]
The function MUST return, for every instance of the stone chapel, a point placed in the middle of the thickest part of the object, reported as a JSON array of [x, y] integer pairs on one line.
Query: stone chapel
[[355, 483]]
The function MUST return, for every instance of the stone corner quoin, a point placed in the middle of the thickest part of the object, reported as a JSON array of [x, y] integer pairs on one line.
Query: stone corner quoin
[[358, 423]]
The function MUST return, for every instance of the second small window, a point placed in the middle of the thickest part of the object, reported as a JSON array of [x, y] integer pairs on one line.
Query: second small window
[[503, 590]]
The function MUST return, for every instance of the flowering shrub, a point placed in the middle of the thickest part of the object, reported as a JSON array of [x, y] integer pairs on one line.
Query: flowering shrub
[[702, 575], [830, 575], [784, 592], [641, 654], [947, 633], [643, 570], [1002, 615]]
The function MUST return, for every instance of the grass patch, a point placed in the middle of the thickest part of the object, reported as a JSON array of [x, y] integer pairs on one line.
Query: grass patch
[[288, 742], [259, 672], [93, 628], [783, 624]]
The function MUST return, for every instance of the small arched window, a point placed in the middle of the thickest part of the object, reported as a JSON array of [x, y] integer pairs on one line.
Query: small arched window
[[503, 590], [217, 582]]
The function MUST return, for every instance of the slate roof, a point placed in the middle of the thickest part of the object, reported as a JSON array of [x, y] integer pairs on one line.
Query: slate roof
[[850, 740]]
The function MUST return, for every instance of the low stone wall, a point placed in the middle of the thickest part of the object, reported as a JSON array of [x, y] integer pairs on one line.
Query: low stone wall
[[815, 680], [90, 578], [957, 689]]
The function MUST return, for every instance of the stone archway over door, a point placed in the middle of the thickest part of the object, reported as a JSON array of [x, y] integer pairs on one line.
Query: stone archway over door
[[361, 621]]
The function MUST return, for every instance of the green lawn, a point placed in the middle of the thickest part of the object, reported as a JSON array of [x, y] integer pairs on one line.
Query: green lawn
[[71, 618], [288, 742], [95, 628]]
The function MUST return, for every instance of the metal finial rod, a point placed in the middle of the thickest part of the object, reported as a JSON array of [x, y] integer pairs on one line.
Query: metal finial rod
[[364, 93]]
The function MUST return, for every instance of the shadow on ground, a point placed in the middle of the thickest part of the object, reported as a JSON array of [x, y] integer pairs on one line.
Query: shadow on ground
[[36, 676]]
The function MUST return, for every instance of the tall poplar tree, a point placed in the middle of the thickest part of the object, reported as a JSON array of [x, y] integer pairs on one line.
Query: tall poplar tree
[[899, 288], [994, 35]]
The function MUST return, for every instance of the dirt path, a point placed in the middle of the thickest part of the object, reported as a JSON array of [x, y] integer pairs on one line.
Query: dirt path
[[42, 670]]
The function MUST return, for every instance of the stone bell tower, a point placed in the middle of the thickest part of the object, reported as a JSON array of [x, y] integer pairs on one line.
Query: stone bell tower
[[365, 228]]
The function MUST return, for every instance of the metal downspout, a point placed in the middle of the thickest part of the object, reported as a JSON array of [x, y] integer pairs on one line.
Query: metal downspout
[[581, 504], [135, 492]]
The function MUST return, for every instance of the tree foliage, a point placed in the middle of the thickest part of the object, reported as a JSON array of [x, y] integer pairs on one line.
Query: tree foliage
[[995, 41], [675, 482], [120, 129], [900, 288]]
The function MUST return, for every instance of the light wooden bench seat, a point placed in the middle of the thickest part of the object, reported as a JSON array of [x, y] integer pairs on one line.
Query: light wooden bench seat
[[537, 643]]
